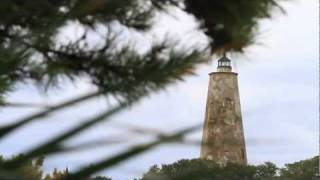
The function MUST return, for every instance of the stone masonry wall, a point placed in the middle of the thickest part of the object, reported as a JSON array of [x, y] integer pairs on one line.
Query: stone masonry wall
[[223, 136]]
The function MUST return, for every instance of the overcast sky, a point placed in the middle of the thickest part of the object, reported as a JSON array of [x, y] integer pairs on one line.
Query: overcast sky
[[278, 83]]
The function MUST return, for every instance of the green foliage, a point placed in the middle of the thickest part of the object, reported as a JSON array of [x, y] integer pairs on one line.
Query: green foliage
[[57, 175], [195, 169], [302, 170], [12, 66], [267, 171], [35, 29], [61, 175], [230, 25], [29, 170], [100, 178], [198, 169], [32, 170], [34, 49]]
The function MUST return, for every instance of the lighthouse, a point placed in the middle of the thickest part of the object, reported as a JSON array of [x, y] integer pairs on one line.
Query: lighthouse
[[223, 136]]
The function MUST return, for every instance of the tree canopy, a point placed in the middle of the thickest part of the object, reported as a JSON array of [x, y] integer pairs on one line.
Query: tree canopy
[[195, 169], [33, 170], [198, 169]]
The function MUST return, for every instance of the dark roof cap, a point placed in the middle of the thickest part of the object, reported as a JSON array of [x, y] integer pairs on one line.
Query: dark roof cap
[[224, 59]]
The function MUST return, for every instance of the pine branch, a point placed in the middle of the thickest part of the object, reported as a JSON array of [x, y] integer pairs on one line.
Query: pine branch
[[53, 145], [4, 131], [110, 162]]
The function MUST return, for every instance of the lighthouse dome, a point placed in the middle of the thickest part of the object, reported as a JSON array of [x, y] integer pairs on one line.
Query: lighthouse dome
[[224, 64]]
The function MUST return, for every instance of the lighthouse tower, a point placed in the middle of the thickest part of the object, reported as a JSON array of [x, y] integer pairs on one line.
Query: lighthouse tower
[[223, 136]]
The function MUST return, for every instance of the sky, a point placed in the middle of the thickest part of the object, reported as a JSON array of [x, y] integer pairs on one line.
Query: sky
[[278, 84]]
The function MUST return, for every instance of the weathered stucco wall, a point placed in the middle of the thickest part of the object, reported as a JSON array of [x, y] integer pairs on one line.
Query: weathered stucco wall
[[223, 137]]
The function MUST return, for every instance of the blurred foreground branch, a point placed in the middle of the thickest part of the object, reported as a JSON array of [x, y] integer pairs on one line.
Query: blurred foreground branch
[[40, 44]]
